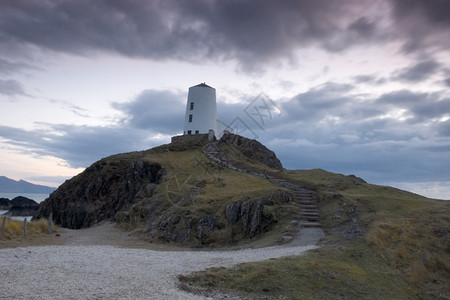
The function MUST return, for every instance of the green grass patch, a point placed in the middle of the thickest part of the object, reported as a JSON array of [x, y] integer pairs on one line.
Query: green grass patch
[[333, 272]]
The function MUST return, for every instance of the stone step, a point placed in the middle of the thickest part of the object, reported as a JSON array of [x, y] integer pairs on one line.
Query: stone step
[[309, 206], [305, 202], [310, 220], [305, 212], [304, 196], [311, 224], [309, 214], [315, 215]]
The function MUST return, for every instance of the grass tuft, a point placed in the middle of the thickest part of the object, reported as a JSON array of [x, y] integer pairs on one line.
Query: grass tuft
[[14, 228]]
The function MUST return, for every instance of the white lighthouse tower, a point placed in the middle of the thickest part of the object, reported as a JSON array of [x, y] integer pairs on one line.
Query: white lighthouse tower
[[201, 110]]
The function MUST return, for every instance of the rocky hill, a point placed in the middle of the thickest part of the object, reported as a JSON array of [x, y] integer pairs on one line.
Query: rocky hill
[[23, 206], [175, 193]]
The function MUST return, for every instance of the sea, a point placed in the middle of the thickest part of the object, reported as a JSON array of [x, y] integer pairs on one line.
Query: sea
[[36, 197]]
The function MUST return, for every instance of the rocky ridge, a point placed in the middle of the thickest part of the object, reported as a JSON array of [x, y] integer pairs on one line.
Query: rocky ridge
[[131, 189], [101, 191]]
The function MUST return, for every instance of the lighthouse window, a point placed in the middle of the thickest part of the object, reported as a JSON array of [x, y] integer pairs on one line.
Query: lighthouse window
[[190, 118], [192, 106]]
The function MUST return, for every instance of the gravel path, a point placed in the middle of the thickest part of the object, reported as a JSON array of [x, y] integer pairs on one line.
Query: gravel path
[[109, 272]]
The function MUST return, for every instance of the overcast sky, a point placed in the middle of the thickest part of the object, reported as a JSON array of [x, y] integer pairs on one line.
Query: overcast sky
[[350, 86]]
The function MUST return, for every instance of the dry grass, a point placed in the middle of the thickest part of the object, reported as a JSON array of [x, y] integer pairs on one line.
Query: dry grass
[[419, 247], [402, 252], [37, 234], [333, 272]]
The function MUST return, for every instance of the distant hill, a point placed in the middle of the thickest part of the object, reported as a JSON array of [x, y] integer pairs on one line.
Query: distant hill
[[8, 185]]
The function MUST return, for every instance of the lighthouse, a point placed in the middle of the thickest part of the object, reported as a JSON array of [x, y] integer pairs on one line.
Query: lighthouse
[[201, 111]]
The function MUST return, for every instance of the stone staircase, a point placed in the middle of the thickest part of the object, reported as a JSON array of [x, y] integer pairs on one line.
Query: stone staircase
[[308, 215], [306, 220]]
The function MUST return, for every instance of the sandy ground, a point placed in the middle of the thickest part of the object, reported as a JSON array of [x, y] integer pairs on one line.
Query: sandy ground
[[103, 262]]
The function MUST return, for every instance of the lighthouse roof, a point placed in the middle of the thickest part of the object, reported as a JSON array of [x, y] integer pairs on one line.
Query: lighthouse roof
[[203, 85]]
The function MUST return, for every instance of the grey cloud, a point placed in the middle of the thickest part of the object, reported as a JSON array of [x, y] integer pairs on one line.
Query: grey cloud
[[160, 111], [254, 34], [422, 106], [318, 101], [8, 67], [365, 78], [444, 129], [435, 12], [422, 24], [433, 108], [359, 136], [401, 98], [447, 82], [361, 31], [80, 146], [11, 87], [369, 79], [363, 27], [417, 72]]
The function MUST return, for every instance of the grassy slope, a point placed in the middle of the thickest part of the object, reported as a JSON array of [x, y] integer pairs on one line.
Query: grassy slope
[[186, 167], [402, 250]]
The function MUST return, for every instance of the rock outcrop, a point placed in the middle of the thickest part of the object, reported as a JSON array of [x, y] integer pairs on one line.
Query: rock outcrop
[[252, 149], [5, 204], [23, 206], [102, 190]]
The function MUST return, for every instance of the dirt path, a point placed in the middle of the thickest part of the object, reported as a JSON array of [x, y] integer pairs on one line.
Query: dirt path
[[105, 233], [103, 262]]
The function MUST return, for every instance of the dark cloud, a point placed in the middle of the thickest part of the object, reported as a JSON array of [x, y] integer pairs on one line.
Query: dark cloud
[[369, 79], [159, 111], [444, 129], [420, 107], [194, 30], [8, 67], [423, 24], [417, 72], [402, 98], [80, 146], [323, 128], [11, 88], [318, 101], [148, 116]]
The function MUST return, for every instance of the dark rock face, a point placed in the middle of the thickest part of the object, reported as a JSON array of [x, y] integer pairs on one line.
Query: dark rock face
[[172, 229], [232, 212], [102, 190], [205, 226], [23, 206], [246, 208], [256, 219], [253, 150]]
